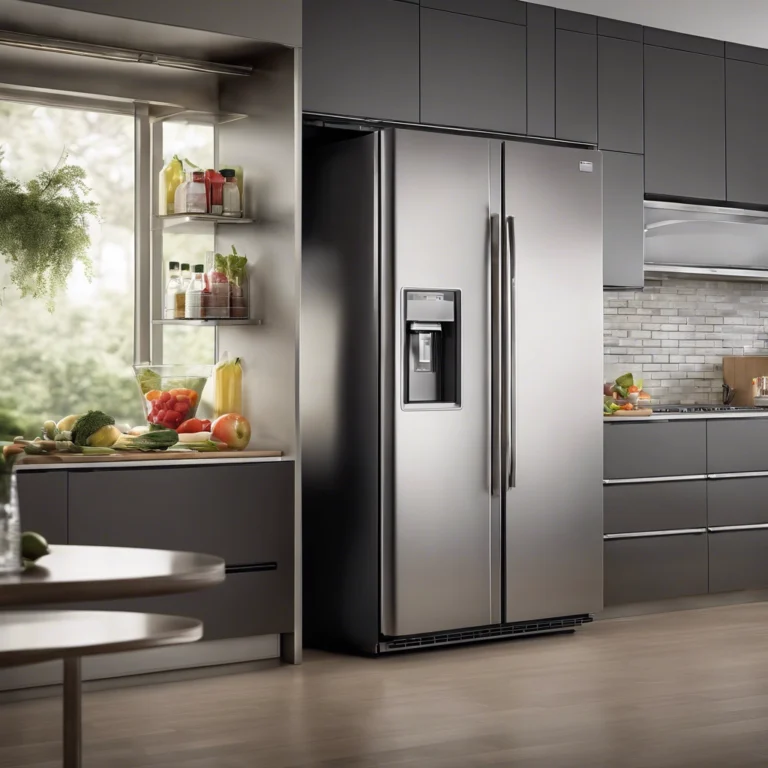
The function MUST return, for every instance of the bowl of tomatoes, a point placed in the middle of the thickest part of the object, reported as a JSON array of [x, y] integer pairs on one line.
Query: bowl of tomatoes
[[171, 394]]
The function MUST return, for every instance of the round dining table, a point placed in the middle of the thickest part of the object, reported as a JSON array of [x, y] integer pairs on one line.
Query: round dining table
[[81, 573]]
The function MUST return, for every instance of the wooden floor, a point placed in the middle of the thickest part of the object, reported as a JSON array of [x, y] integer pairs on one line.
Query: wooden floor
[[677, 689]]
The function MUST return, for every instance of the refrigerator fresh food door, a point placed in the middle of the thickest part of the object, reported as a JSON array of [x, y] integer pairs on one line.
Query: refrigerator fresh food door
[[437, 562], [552, 334]]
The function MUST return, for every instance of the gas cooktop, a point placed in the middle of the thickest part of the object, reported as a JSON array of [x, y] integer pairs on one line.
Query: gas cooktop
[[704, 408]]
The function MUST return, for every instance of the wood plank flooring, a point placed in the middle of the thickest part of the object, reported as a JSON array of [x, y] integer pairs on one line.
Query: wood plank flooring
[[663, 691]]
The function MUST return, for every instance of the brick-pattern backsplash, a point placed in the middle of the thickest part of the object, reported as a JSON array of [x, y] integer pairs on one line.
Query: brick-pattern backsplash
[[674, 334]]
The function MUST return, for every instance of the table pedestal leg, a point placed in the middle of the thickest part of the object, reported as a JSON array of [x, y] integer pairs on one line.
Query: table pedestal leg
[[72, 713]]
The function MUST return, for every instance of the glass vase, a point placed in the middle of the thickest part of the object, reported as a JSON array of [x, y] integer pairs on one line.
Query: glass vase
[[10, 525]]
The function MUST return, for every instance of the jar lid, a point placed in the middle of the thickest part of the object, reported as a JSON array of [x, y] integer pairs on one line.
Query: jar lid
[[227, 173], [198, 175], [185, 266], [173, 265], [199, 268]]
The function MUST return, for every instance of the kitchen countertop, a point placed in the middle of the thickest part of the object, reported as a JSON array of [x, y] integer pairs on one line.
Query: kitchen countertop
[[686, 417], [22, 467]]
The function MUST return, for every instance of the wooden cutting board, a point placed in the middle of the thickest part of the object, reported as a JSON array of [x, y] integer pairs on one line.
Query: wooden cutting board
[[636, 412], [117, 458]]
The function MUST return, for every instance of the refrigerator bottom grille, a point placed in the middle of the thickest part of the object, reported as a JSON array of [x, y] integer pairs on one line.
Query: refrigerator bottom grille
[[496, 632]]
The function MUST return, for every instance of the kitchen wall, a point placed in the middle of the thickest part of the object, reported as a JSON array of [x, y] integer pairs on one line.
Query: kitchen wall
[[674, 334]]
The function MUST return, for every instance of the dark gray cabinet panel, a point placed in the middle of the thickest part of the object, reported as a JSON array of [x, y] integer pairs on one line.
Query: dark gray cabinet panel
[[682, 42], [512, 11], [737, 560], [243, 513], [655, 506], [656, 449], [620, 95], [746, 116], [737, 445], [655, 568], [43, 503], [541, 70], [575, 21], [575, 86], [684, 124], [361, 58], [738, 501], [623, 228], [472, 72], [246, 604], [746, 53], [621, 29]]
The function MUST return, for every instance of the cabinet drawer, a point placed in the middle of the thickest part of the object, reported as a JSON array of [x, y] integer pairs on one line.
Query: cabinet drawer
[[655, 449], [655, 506], [737, 445], [655, 568], [738, 501], [242, 513], [43, 503], [246, 604], [737, 560]]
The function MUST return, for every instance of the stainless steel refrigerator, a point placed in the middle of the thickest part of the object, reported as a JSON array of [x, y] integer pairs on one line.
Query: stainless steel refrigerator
[[451, 349]]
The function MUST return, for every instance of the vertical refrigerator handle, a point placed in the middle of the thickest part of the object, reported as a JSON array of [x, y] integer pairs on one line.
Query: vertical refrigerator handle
[[497, 409], [508, 342]]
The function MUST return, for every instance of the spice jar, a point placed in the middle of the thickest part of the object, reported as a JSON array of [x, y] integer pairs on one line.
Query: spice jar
[[231, 203]]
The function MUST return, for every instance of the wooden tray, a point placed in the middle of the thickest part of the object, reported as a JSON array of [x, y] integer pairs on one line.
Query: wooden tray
[[117, 458], [637, 412]]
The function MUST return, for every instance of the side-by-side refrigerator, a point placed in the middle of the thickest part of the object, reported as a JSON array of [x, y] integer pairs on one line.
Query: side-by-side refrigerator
[[451, 349]]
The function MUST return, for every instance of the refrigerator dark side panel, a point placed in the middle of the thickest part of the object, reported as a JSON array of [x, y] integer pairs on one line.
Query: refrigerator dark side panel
[[340, 394]]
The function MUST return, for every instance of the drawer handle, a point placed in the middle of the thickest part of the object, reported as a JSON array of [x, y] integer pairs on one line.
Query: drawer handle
[[655, 534], [736, 475], [669, 479], [254, 568], [725, 528]]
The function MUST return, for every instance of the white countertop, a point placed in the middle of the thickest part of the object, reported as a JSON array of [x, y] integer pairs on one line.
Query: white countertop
[[686, 417], [148, 463]]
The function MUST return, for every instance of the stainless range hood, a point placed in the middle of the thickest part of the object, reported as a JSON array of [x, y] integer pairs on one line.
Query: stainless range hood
[[700, 241]]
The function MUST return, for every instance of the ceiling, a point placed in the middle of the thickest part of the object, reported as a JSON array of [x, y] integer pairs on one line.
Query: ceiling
[[738, 21]]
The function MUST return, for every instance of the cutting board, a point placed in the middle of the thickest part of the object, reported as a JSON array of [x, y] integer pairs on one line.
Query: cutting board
[[636, 412], [117, 458]]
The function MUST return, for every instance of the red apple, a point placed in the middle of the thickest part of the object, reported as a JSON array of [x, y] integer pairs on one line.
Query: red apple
[[233, 430]]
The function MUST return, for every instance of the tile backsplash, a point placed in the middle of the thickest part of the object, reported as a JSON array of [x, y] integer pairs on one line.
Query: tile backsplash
[[674, 334]]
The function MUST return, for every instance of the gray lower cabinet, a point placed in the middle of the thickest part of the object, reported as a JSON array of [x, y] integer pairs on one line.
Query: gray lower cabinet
[[43, 503], [738, 501], [662, 506], [655, 449], [684, 124], [576, 86], [472, 72], [737, 445], [361, 59], [746, 115], [654, 568], [620, 95], [737, 560], [623, 227]]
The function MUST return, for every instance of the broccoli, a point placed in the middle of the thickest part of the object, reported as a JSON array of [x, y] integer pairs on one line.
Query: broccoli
[[86, 425]]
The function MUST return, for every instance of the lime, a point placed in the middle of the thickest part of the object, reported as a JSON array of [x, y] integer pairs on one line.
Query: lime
[[33, 546]]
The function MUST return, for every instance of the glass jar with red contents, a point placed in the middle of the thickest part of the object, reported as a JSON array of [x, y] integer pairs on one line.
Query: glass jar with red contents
[[216, 287], [214, 192]]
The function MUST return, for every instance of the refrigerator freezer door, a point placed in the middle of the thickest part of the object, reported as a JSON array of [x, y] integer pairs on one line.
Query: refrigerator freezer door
[[553, 511], [437, 561]]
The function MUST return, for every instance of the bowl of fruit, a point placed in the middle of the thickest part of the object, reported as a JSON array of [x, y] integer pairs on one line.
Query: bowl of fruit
[[170, 394]]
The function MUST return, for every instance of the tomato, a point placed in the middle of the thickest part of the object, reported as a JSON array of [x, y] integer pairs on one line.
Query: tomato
[[190, 426], [193, 397], [633, 389], [153, 394], [205, 425], [181, 407], [161, 415], [165, 397], [173, 418]]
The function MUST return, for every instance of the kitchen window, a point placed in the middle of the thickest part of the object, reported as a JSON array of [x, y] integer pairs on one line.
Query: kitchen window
[[80, 356]]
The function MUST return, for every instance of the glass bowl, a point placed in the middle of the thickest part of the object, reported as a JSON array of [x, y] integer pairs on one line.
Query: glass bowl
[[170, 394]]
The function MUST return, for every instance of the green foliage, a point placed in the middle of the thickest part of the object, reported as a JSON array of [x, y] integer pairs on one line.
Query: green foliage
[[43, 229], [10, 426]]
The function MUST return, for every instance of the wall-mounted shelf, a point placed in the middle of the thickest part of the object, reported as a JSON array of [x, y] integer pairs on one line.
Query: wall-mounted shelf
[[210, 322], [191, 223]]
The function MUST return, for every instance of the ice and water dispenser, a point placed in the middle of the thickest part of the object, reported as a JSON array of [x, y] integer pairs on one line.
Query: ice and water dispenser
[[432, 348]]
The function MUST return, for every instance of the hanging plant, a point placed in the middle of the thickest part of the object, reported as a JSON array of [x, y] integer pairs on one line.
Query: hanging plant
[[43, 229]]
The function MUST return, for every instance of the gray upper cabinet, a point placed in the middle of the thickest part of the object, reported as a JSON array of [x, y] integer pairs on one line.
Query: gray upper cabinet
[[512, 11], [623, 233], [361, 59], [684, 124], [576, 86], [620, 95], [575, 21], [746, 115], [472, 72]]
